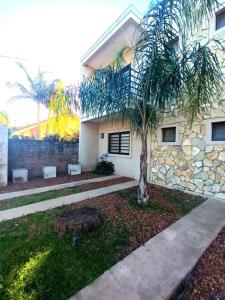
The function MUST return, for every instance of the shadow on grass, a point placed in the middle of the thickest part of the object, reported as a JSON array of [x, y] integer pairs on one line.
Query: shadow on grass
[[36, 264]]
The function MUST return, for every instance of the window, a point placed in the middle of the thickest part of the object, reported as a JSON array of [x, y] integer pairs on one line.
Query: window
[[169, 134], [218, 131], [220, 19], [119, 143]]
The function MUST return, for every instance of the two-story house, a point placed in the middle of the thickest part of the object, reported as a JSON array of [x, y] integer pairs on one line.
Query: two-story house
[[180, 156]]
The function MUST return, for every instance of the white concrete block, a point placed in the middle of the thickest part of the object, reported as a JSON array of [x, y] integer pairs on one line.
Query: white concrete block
[[20, 175], [49, 172], [74, 169]]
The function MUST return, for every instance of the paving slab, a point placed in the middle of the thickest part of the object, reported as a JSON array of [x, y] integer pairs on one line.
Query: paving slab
[[154, 270], [60, 201], [27, 192]]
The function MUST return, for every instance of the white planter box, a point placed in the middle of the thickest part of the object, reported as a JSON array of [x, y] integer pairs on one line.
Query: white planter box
[[74, 169], [20, 175], [49, 172]]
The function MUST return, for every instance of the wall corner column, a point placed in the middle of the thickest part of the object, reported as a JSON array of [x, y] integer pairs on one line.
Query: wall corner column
[[3, 155]]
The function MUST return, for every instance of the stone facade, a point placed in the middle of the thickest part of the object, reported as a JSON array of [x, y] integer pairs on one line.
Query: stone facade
[[3, 155], [197, 164]]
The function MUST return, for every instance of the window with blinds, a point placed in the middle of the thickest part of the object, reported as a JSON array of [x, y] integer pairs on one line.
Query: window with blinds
[[119, 143]]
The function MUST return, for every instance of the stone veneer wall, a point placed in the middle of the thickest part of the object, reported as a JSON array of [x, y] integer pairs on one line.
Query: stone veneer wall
[[3, 155], [196, 164]]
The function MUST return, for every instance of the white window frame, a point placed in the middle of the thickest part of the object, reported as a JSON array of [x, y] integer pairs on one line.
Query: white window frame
[[213, 30], [160, 135], [208, 131]]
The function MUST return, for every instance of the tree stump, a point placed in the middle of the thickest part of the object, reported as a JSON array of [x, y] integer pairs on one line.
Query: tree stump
[[79, 220]]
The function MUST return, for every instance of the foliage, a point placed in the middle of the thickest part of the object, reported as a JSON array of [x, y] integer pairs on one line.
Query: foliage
[[22, 137], [38, 89], [64, 104], [4, 118], [188, 79], [104, 167]]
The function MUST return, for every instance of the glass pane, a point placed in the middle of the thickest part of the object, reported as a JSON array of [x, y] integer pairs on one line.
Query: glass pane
[[220, 20], [218, 131], [169, 134]]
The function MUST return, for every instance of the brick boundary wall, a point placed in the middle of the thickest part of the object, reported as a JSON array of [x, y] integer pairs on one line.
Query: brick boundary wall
[[33, 155]]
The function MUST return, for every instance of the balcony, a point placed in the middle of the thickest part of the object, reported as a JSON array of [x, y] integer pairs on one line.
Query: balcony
[[128, 82], [112, 85]]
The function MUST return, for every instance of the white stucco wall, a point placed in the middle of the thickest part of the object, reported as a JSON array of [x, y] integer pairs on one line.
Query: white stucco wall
[[3, 155], [88, 145], [92, 146], [124, 165]]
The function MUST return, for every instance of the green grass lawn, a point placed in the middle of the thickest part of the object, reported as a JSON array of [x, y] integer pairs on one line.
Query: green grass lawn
[[25, 200], [29, 199], [183, 202], [36, 264]]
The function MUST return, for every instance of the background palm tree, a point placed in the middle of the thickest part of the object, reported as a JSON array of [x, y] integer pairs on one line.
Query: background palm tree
[[4, 118], [38, 90], [64, 104], [187, 79]]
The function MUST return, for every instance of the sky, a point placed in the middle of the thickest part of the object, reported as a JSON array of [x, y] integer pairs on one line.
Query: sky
[[52, 35]]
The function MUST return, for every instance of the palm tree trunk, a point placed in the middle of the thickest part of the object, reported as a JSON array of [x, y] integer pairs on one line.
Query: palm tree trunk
[[38, 120], [143, 196]]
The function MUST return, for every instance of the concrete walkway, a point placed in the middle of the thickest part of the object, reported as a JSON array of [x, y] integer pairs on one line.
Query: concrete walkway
[[56, 202], [10, 195], [154, 270]]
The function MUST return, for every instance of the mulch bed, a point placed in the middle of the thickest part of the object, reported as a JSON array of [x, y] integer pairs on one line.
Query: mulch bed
[[126, 226], [40, 182], [143, 223], [81, 188], [105, 183], [208, 277]]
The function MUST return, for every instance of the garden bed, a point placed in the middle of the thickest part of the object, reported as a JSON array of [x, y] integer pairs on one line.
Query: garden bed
[[39, 197], [207, 280], [36, 264], [41, 182]]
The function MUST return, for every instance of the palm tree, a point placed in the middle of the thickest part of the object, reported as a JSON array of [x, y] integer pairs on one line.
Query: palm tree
[[64, 104], [187, 79], [39, 90]]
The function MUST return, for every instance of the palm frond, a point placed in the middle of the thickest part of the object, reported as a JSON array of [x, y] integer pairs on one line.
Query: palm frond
[[189, 78], [19, 86], [29, 79]]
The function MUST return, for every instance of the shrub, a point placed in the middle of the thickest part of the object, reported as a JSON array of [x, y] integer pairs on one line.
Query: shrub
[[104, 167]]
